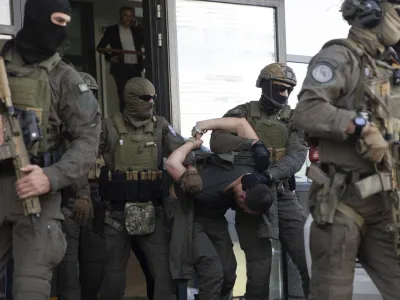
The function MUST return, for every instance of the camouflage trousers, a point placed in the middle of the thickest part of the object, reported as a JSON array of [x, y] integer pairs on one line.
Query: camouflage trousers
[[335, 248], [118, 247], [35, 252], [258, 250]]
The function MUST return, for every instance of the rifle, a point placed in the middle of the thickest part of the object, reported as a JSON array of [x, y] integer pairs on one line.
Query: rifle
[[14, 138]]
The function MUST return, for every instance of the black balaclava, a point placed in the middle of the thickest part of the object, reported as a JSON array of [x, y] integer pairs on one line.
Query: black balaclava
[[271, 99], [40, 38]]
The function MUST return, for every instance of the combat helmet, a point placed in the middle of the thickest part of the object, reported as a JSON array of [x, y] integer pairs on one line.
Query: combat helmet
[[89, 80], [278, 72]]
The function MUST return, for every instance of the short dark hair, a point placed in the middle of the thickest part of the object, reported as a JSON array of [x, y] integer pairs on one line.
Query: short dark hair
[[123, 8], [259, 198]]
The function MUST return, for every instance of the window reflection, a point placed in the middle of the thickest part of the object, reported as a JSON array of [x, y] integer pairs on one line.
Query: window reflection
[[221, 50], [5, 12]]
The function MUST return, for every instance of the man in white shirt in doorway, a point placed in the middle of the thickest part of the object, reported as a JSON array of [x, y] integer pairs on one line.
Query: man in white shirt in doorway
[[123, 36]]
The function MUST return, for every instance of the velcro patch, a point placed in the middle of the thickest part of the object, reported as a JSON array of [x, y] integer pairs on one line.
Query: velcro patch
[[322, 73], [83, 87], [172, 130]]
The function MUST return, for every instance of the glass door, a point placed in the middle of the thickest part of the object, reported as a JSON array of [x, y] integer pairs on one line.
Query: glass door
[[222, 46]]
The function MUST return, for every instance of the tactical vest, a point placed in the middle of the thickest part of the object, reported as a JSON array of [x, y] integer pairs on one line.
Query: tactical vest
[[376, 91], [30, 90], [135, 151], [272, 130]]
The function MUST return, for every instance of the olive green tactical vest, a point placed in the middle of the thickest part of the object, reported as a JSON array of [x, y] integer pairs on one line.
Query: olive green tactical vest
[[376, 91], [30, 90], [271, 129], [135, 151]]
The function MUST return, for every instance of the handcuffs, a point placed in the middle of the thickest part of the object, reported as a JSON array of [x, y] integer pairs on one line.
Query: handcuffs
[[197, 130]]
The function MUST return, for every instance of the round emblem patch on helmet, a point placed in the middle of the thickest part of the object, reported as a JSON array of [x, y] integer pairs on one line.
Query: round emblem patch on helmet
[[322, 73]]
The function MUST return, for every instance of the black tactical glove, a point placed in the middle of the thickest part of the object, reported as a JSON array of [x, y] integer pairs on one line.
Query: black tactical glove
[[251, 180], [261, 156]]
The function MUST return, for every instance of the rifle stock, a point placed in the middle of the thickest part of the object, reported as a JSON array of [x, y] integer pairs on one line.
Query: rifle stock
[[14, 137]]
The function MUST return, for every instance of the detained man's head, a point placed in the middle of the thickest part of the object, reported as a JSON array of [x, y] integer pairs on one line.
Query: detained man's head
[[255, 196]]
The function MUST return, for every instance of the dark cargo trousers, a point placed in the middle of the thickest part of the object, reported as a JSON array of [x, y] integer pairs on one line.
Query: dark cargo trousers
[[214, 259], [81, 272], [258, 250], [118, 246], [334, 249], [35, 253]]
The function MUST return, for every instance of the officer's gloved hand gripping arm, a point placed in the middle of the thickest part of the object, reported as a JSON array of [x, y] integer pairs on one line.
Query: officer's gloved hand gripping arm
[[294, 158], [81, 114]]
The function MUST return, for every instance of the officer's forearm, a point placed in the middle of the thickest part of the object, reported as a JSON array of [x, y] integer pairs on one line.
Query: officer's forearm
[[223, 141], [75, 163], [321, 119], [290, 164], [83, 187]]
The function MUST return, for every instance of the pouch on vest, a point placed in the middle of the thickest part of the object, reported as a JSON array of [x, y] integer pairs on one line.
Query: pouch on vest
[[132, 186], [326, 193], [145, 187], [140, 218]]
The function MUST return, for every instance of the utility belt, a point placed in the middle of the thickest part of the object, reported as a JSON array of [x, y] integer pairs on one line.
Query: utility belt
[[44, 160], [137, 193], [330, 182], [131, 186]]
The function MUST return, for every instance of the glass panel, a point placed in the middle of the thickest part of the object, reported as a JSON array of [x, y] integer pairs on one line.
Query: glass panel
[[312, 23], [221, 49], [5, 12]]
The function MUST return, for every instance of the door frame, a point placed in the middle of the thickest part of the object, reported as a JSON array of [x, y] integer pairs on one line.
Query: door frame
[[87, 30], [280, 45], [157, 66]]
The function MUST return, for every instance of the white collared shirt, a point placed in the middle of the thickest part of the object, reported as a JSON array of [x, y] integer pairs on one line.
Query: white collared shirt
[[127, 42]]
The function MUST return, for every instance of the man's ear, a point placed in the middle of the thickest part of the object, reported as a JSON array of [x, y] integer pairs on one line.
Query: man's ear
[[242, 195]]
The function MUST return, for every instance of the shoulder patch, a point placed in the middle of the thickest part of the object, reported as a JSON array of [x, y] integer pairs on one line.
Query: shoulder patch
[[327, 61], [83, 87], [172, 130], [322, 73]]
